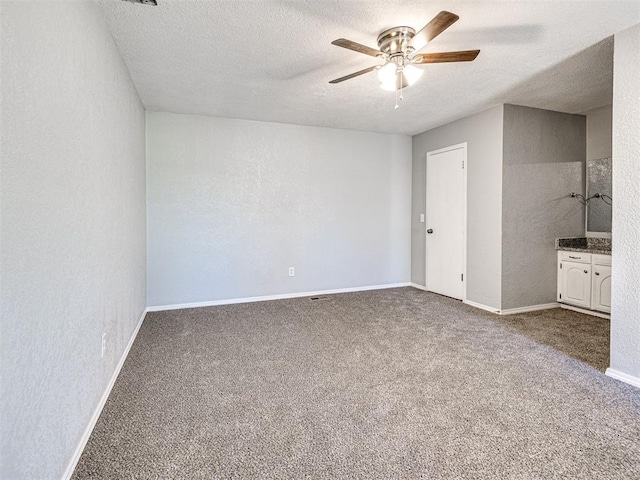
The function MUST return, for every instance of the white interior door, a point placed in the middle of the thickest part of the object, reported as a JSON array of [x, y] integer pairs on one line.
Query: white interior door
[[446, 221]]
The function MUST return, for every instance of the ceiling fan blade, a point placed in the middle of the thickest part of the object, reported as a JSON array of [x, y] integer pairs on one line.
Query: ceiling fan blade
[[356, 47], [462, 56], [431, 30], [347, 77]]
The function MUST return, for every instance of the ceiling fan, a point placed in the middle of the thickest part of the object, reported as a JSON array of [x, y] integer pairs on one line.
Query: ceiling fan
[[399, 48]]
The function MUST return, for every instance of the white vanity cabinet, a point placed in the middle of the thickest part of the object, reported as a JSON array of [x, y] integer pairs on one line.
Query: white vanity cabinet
[[601, 288], [574, 278], [575, 286], [584, 280]]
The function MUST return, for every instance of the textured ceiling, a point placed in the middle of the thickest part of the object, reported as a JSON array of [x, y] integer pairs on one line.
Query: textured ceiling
[[272, 60]]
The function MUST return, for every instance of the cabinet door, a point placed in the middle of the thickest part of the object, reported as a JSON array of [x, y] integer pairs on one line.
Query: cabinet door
[[601, 293], [575, 284]]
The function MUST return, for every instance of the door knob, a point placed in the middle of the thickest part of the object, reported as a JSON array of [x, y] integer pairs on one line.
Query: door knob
[[430, 230]]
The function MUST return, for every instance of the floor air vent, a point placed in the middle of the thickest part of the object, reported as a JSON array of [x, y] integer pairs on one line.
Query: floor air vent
[[317, 298], [144, 2]]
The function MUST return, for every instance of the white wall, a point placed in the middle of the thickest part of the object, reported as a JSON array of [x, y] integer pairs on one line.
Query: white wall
[[73, 227], [625, 307], [599, 134], [232, 204], [483, 134]]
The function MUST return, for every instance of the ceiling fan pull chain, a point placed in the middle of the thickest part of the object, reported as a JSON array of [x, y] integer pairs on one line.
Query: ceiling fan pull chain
[[396, 107], [401, 82]]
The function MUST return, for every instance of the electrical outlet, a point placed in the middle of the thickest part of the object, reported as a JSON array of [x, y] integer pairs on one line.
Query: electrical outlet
[[104, 344], [292, 272]]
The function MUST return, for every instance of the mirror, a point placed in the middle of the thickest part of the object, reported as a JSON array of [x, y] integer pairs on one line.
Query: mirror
[[598, 210]]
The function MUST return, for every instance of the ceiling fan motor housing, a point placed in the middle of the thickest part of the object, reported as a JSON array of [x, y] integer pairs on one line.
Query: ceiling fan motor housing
[[395, 41]]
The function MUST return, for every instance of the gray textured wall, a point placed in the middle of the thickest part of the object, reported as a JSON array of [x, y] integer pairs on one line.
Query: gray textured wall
[[73, 227], [625, 306], [599, 132], [544, 154], [234, 203], [483, 134]]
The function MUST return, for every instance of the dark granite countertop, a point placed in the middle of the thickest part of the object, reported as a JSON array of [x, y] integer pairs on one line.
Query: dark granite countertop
[[598, 246]]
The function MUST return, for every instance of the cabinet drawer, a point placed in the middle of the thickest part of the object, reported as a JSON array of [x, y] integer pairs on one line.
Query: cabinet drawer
[[574, 257], [602, 260]]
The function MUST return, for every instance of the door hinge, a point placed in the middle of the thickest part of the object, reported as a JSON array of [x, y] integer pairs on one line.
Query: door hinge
[[560, 266], [560, 296], [462, 277], [463, 164]]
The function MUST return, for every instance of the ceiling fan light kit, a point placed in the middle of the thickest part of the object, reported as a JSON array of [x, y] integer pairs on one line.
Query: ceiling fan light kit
[[396, 76], [398, 47]]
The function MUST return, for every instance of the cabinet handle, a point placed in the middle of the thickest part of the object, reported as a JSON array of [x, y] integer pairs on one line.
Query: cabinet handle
[[597, 273], [575, 258], [586, 271]]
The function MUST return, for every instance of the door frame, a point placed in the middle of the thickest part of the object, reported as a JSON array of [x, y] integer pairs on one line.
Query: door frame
[[457, 146]]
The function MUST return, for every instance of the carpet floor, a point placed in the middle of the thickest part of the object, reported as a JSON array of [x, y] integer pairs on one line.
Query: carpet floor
[[580, 336], [396, 383]]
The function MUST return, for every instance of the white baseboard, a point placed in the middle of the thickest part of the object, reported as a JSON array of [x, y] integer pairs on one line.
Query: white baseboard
[[265, 298], [623, 377], [418, 286], [481, 306], [531, 308], [96, 414], [512, 311], [585, 311]]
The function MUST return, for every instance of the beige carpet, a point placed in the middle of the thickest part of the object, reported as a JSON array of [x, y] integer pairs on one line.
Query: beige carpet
[[580, 336], [384, 384]]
